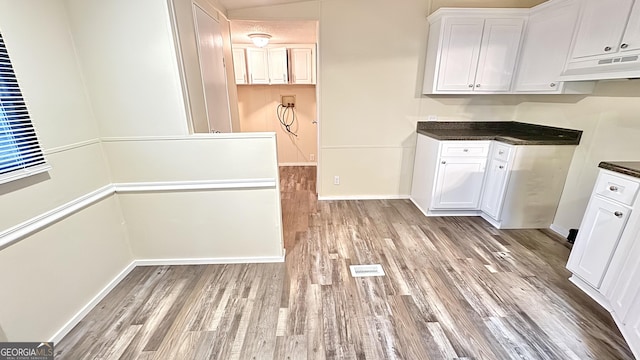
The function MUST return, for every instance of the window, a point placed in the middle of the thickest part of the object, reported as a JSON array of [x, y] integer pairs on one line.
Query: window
[[20, 153]]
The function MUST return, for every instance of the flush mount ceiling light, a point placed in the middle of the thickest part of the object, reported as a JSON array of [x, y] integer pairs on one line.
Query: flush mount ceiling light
[[260, 39]]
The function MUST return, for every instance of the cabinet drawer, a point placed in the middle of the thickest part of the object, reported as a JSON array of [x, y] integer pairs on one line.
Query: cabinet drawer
[[500, 151], [616, 188], [465, 148]]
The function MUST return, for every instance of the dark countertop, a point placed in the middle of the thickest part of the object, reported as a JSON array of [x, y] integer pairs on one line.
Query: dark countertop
[[631, 168], [510, 132]]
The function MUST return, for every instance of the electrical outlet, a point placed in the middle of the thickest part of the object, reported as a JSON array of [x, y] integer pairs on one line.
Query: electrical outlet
[[288, 100], [336, 180], [312, 157], [432, 118]]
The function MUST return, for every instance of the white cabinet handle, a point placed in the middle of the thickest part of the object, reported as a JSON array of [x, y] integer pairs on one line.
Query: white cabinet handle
[[443, 162], [470, 85], [618, 214], [624, 46], [500, 152], [552, 84], [613, 188], [477, 85], [607, 48]]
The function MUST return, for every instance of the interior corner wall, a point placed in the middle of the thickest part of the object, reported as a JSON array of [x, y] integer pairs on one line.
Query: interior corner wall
[[50, 274], [127, 54], [609, 121], [258, 105]]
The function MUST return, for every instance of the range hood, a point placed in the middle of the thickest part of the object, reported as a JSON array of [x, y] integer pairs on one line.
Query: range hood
[[619, 66]]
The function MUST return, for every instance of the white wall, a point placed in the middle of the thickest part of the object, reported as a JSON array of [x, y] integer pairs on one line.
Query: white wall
[[215, 223], [129, 62], [258, 104], [49, 276]]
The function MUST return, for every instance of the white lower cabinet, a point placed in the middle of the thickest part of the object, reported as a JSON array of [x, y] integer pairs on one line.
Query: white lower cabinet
[[520, 188], [604, 258], [497, 176], [459, 183], [597, 239]]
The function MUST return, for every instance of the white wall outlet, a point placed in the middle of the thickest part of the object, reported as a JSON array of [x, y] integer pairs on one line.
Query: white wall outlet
[[312, 157], [432, 118], [336, 180]]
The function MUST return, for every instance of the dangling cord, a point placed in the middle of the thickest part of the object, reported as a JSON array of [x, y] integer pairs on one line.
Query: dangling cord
[[282, 112]]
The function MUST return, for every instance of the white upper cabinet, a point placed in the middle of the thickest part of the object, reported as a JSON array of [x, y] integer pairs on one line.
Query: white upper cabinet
[[302, 66], [498, 54], [278, 68], [606, 43], [546, 44], [472, 50], [462, 38], [285, 64], [240, 66], [601, 28], [258, 65]]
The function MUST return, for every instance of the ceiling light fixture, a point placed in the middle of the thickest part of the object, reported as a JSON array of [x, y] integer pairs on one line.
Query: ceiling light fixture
[[260, 39]]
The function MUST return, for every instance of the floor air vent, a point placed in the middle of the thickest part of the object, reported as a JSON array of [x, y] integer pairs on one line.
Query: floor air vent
[[366, 270]]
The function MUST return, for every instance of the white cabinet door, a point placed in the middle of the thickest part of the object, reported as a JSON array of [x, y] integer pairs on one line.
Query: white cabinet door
[[459, 53], [278, 70], [597, 239], [494, 188], [545, 47], [601, 27], [631, 39], [240, 66], [258, 65], [626, 291], [459, 183], [302, 69], [498, 54]]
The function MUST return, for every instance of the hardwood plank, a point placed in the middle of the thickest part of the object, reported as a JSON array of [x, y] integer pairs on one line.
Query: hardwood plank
[[455, 288]]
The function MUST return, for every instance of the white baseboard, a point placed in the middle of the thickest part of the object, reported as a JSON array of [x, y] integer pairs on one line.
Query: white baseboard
[[211, 261], [364, 197], [154, 262], [91, 304], [299, 164], [559, 230]]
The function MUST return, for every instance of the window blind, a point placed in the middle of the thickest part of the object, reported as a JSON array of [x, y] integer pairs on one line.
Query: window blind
[[20, 152]]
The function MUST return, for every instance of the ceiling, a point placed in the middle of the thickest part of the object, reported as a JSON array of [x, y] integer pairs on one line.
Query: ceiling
[[241, 4], [282, 32]]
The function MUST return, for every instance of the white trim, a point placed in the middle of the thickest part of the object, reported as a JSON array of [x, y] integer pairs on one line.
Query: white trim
[[364, 197], [559, 230], [195, 185], [593, 293], [211, 261], [71, 146], [155, 262], [24, 173], [366, 147], [92, 303], [311, 163], [15, 233], [243, 135]]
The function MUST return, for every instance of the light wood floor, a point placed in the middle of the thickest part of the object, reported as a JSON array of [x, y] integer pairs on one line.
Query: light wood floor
[[455, 288]]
